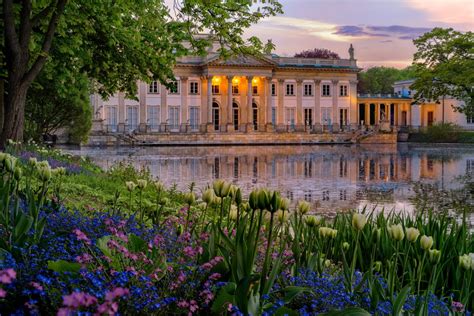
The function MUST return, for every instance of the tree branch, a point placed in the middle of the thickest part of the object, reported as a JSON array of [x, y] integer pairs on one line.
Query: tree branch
[[48, 40], [25, 26], [12, 44], [42, 14]]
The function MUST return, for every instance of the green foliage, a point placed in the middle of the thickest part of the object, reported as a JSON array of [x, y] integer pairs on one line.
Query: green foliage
[[58, 99], [444, 66], [380, 79], [439, 133]]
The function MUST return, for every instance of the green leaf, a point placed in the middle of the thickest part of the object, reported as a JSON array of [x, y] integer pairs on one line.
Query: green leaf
[[292, 291], [225, 296], [400, 300], [62, 266], [282, 311]]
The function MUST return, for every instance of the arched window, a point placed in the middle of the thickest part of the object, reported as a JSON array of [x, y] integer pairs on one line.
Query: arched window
[[255, 116], [215, 115], [235, 116]]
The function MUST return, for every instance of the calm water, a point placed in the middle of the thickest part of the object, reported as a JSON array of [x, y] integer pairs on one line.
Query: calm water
[[331, 177]]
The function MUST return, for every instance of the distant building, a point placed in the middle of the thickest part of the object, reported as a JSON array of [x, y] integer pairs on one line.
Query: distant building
[[429, 113], [267, 94]]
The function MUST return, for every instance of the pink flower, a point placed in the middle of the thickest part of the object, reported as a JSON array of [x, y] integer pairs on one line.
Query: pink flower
[[3, 293], [183, 304], [78, 299], [7, 276], [36, 286], [117, 292], [215, 276], [84, 258], [81, 236], [109, 308]]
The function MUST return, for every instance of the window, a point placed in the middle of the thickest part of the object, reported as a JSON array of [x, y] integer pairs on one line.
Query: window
[[470, 118], [291, 117], [111, 113], [173, 117], [343, 91], [174, 87], [255, 90], [154, 87], [153, 117], [235, 89], [215, 89], [326, 90], [308, 89], [326, 116], [193, 87], [194, 118], [274, 91], [274, 116], [132, 118], [290, 89]]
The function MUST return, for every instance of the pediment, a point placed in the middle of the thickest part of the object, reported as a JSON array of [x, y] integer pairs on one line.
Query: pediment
[[241, 60]]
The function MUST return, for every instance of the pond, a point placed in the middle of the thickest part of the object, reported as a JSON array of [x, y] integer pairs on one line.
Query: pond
[[333, 178]]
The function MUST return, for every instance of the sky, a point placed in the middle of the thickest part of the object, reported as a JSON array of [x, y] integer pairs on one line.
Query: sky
[[381, 31]]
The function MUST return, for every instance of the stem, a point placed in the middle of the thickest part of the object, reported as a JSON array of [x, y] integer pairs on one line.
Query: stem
[[420, 272], [267, 253]]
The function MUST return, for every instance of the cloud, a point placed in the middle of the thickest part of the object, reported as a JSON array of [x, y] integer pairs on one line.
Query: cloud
[[451, 12], [402, 32]]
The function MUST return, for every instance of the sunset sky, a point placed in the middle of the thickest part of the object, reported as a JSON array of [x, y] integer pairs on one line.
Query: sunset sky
[[380, 30]]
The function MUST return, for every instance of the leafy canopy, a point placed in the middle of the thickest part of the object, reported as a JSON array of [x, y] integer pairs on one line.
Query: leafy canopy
[[318, 53], [444, 66], [381, 79]]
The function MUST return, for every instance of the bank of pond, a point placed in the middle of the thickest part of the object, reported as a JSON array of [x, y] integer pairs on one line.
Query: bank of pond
[[77, 240]]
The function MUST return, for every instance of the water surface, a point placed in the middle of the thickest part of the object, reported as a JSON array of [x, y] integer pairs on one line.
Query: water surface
[[333, 178]]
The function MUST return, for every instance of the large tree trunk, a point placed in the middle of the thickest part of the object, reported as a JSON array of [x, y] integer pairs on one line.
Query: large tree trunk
[[14, 113]]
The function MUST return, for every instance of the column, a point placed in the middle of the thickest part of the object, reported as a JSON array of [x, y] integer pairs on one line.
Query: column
[[367, 114], [142, 88], [184, 104], [121, 112], [209, 104], [335, 110], [249, 103], [268, 104], [317, 104], [164, 108], [353, 106], [280, 106], [230, 125], [416, 116], [299, 105], [377, 113], [203, 107]]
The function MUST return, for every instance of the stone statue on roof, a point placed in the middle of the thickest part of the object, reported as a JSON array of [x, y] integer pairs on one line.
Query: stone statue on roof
[[351, 52]]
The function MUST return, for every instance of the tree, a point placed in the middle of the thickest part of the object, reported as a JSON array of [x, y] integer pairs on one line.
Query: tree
[[318, 53], [444, 66], [53, 105], [380, 79], [114, 42]]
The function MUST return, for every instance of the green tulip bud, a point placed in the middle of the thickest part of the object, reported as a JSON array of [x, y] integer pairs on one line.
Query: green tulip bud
[[190, 198], [253, 200], [179, 230], [208, 196], [327, 263], [238, 196], [130, 185], [377, 266], [44, 171], [245, 207], [282, 216], [217, 200], [396, 232], [310, 220], [435, 256], [33, 161], [358, 221], [217, 186], [263, 199], [159, 186], [275, 202], [412, 234], [141, 184], [233, 213], [10, 163], [17, 173], [345, 246], [285, 204], [426, 242], [303, 207], [164, 201]]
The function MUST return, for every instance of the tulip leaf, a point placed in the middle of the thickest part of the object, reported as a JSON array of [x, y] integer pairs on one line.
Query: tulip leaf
[[400, 300], [351, 311], [62, 266]]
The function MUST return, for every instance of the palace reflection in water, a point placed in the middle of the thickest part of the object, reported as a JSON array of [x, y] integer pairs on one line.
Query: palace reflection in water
[[332, 177]]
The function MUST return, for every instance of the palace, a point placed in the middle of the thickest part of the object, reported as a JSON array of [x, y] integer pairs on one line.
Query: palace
[[267, 94]]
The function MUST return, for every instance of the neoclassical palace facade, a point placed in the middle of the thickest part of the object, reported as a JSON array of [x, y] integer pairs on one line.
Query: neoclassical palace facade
[[248, 94]]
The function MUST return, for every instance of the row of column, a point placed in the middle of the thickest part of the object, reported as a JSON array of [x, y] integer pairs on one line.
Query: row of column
[[410, 117]]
